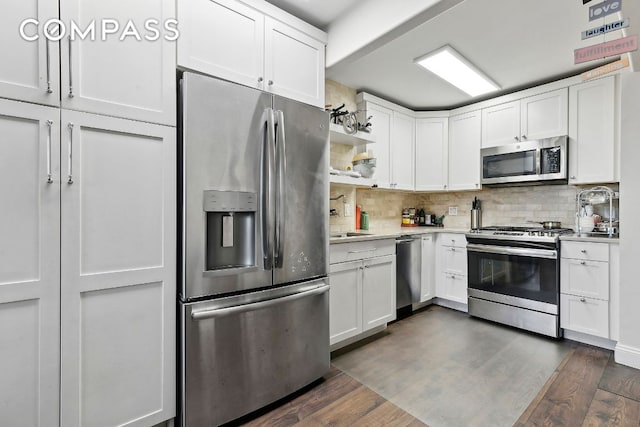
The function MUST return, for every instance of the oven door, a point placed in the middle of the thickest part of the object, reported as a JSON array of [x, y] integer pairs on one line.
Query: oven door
[[526, 277]]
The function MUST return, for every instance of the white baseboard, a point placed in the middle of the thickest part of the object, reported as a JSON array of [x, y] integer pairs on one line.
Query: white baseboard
[[629, 356], [357, 338], [451, 304], [589, 339]]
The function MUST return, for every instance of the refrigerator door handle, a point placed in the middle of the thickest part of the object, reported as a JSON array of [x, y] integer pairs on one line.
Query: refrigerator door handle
[[222, 312], [281, 209], [266, 190]]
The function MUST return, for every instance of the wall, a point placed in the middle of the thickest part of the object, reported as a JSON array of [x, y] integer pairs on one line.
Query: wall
[[500, 206], [628, 348]]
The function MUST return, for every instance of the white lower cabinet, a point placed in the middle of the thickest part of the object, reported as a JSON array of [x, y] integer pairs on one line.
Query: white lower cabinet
[[585, 288], [363, 291], [451, 268], [87, 278]]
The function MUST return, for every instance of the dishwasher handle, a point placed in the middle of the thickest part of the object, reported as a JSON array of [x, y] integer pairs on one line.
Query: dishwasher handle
[[222, 312], [401, 241]]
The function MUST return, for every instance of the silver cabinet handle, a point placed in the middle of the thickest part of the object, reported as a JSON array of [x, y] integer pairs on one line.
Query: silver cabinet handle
[[516, 138], [573, 177], [524, 136], [281, 171], [583, 263], [453, 249], [584, 251], [222, 312], [49, 176], [70, 69], [70, 180], [365, 250], [270, 82], [260, 79], [48, 49], [583, 300]]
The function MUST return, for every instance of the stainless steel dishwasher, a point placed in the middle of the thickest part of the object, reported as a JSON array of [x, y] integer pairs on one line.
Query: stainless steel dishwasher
[[408, 270]]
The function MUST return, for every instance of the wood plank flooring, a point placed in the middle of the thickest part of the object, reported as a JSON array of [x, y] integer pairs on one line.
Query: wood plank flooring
[[587, 388]]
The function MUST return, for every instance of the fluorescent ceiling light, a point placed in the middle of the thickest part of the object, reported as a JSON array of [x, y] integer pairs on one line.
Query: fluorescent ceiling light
[[449, 65]]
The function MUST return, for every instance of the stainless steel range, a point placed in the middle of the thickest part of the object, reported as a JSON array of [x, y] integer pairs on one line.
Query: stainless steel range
[[514, 277]]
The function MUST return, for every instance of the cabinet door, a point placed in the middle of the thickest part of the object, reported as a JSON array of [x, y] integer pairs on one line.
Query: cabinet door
[[402, 151], [223, 38], [378, 291], [118, 271], [427, 287], [464, 151], [544, 116], [128, 78], [29, 70], [454, 260], [432, 156], [381, 128], [345, 301], [454, 288], [586, 315], [592, 132], [501, 124], [293, 63], [30, 266]]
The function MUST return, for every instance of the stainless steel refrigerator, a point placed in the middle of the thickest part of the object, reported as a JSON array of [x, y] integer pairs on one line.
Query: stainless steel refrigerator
[[253, 294]]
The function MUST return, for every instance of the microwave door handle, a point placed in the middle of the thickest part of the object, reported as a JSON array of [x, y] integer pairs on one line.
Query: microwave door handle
[[266, 189], [538, 161], [281, 171]]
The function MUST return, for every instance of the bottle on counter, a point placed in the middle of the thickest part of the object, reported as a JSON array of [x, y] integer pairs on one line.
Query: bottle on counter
[[358, 214], [364, 221], [421, 217]]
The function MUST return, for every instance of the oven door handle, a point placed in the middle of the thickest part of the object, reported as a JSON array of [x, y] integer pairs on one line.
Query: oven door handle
[[508, 250]]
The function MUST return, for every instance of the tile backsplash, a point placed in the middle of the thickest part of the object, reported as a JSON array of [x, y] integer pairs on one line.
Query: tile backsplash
[[500, 206]]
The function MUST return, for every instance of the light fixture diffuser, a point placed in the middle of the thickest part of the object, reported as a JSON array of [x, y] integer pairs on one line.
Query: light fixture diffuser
[[449, 65]]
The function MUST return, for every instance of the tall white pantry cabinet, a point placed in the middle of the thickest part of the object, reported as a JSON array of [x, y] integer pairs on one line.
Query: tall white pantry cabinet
[[88, 221]]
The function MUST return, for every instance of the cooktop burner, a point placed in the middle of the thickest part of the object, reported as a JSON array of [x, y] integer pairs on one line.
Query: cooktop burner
[[520, 233]]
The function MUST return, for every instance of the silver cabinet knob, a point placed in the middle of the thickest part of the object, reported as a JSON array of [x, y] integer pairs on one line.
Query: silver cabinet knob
[[573, 177], [516, 138], [584, 251], [260, 79], [524, 136], [583, 300], [583, 263], [270, 82]]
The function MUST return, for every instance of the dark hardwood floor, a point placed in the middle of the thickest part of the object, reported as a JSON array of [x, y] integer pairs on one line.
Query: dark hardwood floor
[[587, 389]]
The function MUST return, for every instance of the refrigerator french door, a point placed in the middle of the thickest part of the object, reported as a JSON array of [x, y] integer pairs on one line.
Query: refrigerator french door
[[253, 293]]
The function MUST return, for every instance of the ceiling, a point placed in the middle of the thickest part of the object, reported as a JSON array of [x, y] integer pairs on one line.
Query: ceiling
[[518, 44]]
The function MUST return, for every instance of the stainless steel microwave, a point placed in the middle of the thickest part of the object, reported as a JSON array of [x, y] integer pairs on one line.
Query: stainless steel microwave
[[543, 161]]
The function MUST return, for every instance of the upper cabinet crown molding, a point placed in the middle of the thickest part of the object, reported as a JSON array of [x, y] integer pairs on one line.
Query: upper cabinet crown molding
[[254, 44]]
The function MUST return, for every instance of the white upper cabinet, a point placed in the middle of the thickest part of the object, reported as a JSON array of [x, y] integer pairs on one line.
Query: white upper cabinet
[[293, 63], [544, 115], [402, 155], [531, 118], [501, 124], [29, 70], [592, 132], [30, 264], [244, 44], [432, 154], [123, 78], [223, 38], [381, 119], [464, 151]]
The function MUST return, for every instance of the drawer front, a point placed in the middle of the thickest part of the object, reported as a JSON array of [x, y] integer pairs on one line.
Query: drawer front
[[454, 287], [586, 315], [352, 251], [585, 278], [585, 251], [454, 260], [452, 239]]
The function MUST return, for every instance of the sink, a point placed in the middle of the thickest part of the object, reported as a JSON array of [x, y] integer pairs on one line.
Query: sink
[[350, 234]]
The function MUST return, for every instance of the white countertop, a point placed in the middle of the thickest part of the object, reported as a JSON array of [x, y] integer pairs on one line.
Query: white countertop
[[598, 239], [392, 233]]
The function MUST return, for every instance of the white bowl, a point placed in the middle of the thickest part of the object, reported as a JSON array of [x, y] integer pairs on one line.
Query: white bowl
[[366, 167]]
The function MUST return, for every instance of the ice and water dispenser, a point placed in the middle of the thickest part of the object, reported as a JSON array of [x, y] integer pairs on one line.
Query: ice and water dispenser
[[230, 226]]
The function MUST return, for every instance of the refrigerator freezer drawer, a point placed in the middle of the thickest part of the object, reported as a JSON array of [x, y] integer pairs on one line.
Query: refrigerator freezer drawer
[[242, 353]]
